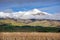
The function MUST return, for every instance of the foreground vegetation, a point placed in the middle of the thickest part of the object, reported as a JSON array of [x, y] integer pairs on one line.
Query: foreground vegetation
[[11, 28], [29, 36]]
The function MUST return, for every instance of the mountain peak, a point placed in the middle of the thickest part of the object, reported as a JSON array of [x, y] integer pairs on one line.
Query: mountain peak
[[36, 10]]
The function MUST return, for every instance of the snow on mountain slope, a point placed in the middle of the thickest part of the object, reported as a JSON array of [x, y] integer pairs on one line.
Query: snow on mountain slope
[[34, 14], [30, 14]]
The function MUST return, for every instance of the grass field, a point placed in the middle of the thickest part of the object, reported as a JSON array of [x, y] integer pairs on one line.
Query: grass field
[[29, 36]]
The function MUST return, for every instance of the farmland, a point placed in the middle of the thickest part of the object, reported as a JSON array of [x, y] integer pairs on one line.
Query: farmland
[[29, 36]]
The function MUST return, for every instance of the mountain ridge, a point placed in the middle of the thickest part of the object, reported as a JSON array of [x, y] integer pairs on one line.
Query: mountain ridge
[[33, 17], [30, 14]]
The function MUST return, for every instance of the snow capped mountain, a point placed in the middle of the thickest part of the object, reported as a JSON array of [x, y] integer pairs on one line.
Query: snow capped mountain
[[34, 14], [30, 14], [37, 14]]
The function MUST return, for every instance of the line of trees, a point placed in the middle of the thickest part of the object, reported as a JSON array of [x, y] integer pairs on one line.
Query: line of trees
[[11, 28]]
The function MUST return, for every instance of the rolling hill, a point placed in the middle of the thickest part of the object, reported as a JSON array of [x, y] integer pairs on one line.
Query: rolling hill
[[31, 22]]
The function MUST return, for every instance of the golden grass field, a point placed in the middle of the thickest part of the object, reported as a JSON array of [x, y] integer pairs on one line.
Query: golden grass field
[[29, 36]]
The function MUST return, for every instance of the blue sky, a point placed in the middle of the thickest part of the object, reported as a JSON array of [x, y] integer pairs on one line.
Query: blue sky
[[50, 6]]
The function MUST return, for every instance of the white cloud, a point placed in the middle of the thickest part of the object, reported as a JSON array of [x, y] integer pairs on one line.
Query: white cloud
[[31, 14]]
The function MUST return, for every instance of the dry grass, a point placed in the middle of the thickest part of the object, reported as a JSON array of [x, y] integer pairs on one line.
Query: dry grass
[[12, 22], [29, 36], [44, 23]]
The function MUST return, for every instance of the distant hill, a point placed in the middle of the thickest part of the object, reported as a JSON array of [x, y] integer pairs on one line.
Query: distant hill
[[31, 22]]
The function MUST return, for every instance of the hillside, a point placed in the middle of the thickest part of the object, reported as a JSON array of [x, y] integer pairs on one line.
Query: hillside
[[11, 25], [45, 23], [11, 22]]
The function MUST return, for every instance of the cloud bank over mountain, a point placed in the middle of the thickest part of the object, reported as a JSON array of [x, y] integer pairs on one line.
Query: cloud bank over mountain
[[30, 14]]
